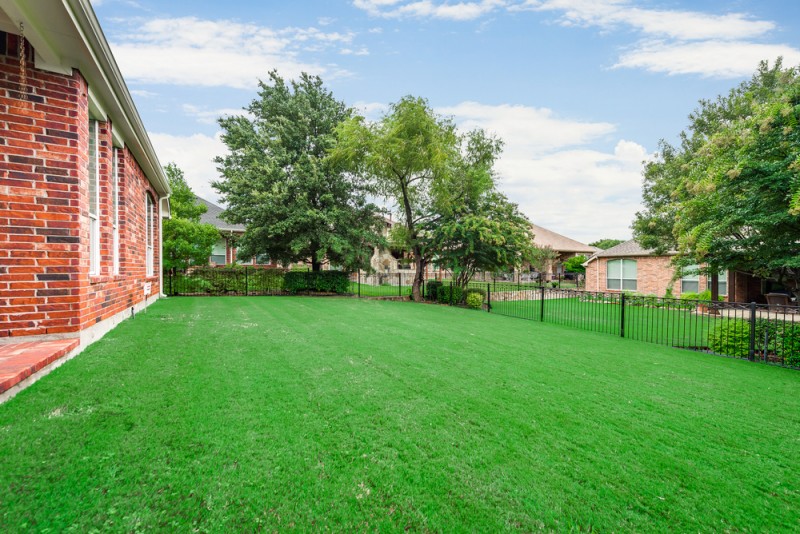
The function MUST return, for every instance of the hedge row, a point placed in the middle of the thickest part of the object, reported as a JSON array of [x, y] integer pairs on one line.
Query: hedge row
[[322, 282], [781, 339], [240, 281]]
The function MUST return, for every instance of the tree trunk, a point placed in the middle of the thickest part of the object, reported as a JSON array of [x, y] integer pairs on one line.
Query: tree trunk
[[316, 266], [715, 287], [419, 275]]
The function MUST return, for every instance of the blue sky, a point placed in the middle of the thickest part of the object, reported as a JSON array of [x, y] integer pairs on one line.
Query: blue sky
[[581, 91]]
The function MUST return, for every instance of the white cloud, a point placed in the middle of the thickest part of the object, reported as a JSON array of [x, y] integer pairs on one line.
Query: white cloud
[[429, 8], [560, 184], [143, 93], [194, 154], [582, 193], [210, 116], [191, 51], [371, 110], [350, 52], [726, 45], [723, 59], [534, 131], [676, 41], [676, 24]]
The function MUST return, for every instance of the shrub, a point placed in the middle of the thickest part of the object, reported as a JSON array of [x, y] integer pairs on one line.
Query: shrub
[[431, 289], [733, 338], [474, 290], [322, 281], [474, 300], [444, 292]]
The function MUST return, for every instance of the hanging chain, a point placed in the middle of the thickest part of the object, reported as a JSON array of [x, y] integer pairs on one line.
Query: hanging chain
[[23, 75]]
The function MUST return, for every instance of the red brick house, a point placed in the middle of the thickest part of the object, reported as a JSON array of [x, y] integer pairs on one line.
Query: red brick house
[[225, 251], [629, 267], [82, 192]]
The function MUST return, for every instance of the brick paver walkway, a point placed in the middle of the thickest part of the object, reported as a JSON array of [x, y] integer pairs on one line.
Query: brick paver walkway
[[18, 361]]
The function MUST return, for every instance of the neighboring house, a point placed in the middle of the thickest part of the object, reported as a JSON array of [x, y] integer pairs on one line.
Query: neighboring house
[[629, 267], [564, 246], [224, 251], [82, 192], [390, 260]]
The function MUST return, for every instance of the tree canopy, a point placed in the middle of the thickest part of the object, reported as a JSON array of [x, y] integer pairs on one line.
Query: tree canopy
[[440, 181], [728, 196], [575, 264], [186, 241], [606, 243], [490, 235], [296, 203]]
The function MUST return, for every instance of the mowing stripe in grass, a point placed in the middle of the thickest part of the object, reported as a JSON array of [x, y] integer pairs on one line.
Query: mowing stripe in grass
[[221, 414]]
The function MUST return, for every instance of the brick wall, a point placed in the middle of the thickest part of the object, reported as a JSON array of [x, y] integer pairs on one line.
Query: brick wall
[[45, 287], [654, 275]]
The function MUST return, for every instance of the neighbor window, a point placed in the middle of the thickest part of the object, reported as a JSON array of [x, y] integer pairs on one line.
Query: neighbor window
[[621, 274], [115, 208], [94, 200], [218, 253], [690, 281], [722, 285], [149, 227]]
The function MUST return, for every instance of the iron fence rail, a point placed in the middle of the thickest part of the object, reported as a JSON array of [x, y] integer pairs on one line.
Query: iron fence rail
[[768, 333]]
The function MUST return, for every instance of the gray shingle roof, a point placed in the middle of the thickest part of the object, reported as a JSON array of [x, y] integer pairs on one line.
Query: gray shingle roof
[[627, 249], [212, 216]]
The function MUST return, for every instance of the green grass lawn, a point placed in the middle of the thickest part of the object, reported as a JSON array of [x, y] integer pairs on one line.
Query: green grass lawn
[[368, 290], [242, 414], [673, 327]]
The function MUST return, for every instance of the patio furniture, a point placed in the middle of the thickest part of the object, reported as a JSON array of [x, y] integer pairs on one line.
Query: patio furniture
[[779, 302]]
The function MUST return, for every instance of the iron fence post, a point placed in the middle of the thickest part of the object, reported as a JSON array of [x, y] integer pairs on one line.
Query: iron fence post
[[541, 297], [170, 281], [488, 298], [246, 290], [359, 283], [399, 286], [752, 351], [451, 293], [622, 316]]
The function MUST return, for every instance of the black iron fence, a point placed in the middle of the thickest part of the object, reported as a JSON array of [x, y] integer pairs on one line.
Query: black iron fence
[[769, 333]]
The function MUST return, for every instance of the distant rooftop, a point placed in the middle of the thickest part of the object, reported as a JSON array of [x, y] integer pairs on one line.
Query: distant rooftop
[[627, 249], [212, 216], [547, 238]]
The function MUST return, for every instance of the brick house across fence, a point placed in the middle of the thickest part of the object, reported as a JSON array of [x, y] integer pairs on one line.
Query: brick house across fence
[[629, 267], [82, 192]]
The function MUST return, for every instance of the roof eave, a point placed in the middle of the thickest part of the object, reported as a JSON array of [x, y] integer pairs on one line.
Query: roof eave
[[115, 93]]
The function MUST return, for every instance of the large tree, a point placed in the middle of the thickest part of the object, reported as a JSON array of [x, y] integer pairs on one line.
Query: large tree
[[728, 197], [418, 160], [297, 205], [186, 240]]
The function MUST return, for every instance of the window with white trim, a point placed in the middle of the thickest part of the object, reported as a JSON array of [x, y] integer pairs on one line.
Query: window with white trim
[[621, 274], [94, 200], [149, 232], [690, 281], [115, 208]]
